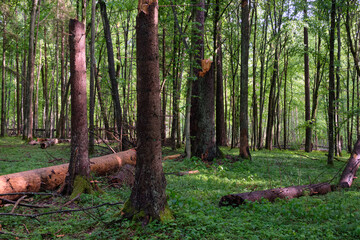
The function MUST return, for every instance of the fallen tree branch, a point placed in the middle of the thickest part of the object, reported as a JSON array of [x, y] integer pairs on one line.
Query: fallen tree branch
[[59, 211], [352, 166], [183, 173], [17, 203], [303, 155]]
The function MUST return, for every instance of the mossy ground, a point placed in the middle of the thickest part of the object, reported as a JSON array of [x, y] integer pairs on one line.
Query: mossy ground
[[193, 200]]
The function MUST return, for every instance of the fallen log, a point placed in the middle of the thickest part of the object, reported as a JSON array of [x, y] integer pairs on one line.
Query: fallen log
[[48, 143], [50, 178], [171, 157], [272, 194], [352, 166]]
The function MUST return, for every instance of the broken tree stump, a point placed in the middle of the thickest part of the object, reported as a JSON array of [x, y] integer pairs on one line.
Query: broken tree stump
[[272, 194], [50, 178], [352, 166]]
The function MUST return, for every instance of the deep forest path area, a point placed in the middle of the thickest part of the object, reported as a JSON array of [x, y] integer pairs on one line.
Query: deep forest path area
[[193, 200]]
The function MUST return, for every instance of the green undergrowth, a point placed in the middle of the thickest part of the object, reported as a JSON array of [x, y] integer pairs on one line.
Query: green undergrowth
[[193, 200]]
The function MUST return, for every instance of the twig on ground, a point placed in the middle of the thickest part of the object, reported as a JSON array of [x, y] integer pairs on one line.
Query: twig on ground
[[17, 203], [104, 142], [27, 230], [30, 193], [22, 204], [183, 173], [71, 201], [303, 155]]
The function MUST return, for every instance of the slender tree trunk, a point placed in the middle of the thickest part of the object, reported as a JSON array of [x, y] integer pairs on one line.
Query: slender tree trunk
[[163, 112], [254, 97], [28, 116], [18, 92], [3, 114], [285, 99], [244, 121], [111, 69], [337, 97], [79, 167], [92, 78], [331, 86], [220, 119], [349, 133], [148, 197], [308, 147]]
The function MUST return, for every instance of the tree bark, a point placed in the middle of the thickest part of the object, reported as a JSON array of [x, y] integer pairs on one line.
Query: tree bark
[[111, 69], [79, 167], [352, 166], [148, 196], [50, 178], [308, 147], [273, 194], [244, 151], [92, 79], [254, 96], [331, 87], [28, 100], [3, 114]]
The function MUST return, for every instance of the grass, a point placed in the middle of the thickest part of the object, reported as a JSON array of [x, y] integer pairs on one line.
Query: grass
[[194, 200]]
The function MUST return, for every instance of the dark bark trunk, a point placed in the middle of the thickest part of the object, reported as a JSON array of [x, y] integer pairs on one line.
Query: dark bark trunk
[[92, 79], [111, 69], [337, 97], [3, 114], [220, 118], [331, 87], [348, 128], [285, 98], [244, 118], [254, 96], [79, 166], [202, 126], [148, 197], [163, 112], [273, 194], [308, 144], [18, 93]]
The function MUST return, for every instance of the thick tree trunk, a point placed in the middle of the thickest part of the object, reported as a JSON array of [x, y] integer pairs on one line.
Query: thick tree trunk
[[202, 126], [148, 197], [79, 167], [273, 194], [244, 151], [352, 166], [50, 178]]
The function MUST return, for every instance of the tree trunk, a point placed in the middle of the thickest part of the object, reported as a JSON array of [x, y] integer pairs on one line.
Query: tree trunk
[[163, 111], [244, 118], [28, 100], [202, 125], [111, 69], [79, 167], [337, 97], [273, 194], [352, 166], [308, 144], [50, 178], [92, 79], [148, 196], [18, 92], [331, 87], [3, 114], [220, 118], [254, 97]]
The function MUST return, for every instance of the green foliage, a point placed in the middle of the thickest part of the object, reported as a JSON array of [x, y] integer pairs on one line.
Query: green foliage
[[193, 200]]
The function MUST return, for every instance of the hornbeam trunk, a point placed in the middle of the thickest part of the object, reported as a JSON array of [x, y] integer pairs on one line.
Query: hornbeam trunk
[[50, 178], [272, 194], [352, 166]]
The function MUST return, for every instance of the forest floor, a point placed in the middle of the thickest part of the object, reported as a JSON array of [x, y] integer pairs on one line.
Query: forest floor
[[193, 200]]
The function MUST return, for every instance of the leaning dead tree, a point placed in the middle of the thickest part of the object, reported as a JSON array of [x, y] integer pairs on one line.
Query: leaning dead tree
[[346, 180]]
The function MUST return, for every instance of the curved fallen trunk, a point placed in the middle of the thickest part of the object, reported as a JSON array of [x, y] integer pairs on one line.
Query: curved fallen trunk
[[352, 166], [272, 194], [48, 143], [50, 178]]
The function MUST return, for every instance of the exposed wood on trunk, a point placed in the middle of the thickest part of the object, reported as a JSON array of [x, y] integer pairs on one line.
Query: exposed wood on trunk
[[352, 166], [49, 143], [273, 194], [50, 178]]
